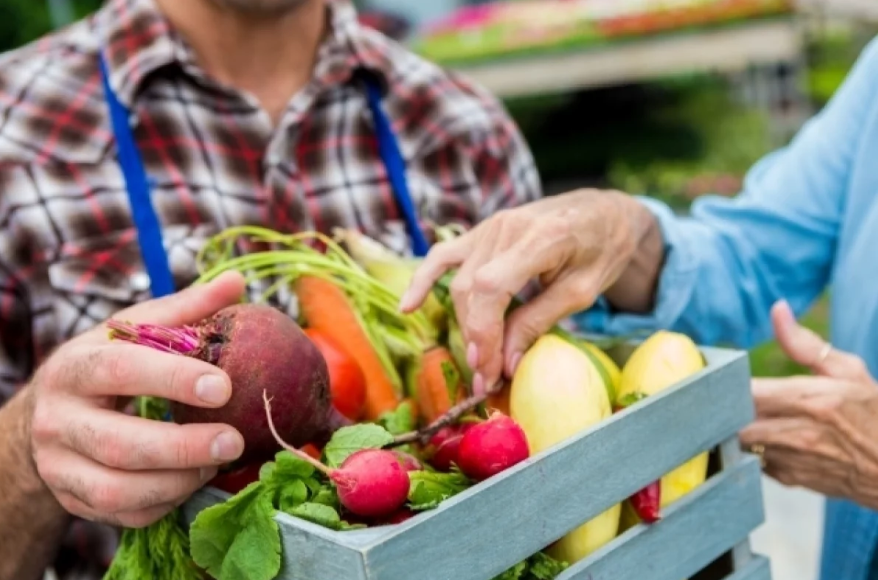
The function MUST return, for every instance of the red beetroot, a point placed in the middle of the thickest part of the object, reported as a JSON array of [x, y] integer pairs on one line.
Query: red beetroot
[[443, 447], [235, 480], [490, 447], [371, 483], [261, 349]]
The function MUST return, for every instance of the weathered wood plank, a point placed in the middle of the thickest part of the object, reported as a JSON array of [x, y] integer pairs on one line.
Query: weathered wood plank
[[694, 532], [530, 506]]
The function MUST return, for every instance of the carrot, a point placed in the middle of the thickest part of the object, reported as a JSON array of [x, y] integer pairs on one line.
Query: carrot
[[432, 383], [500, 401], [311, 450], [327, 309]]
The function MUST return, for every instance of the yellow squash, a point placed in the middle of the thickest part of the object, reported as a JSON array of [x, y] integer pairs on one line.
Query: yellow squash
[[556, 393], [660, 362], [609, 364]]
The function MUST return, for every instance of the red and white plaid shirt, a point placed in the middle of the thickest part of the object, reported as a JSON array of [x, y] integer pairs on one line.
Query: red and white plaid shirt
[[68, 250]]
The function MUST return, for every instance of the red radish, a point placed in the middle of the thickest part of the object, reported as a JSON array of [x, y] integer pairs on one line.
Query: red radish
[[443, 447], [370, 483], [490, 447], [261, 349]]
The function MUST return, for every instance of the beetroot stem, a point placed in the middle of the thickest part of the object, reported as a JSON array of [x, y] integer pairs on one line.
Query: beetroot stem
[[300, 454], [174, 340], [451, 416]]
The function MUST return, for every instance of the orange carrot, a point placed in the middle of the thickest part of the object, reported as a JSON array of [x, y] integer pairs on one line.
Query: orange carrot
[[312, 451], [327, 309], [500, 401], [432, 387]]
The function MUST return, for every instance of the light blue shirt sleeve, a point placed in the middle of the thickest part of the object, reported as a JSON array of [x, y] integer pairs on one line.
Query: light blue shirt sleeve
[[731, 259]]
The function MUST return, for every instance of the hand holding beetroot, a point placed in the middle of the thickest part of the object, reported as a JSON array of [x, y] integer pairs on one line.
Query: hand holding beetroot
[[106, 466]]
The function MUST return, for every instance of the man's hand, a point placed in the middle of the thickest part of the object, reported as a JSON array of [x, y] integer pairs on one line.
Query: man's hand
[[104, 465], [577, 245], [818, 432]]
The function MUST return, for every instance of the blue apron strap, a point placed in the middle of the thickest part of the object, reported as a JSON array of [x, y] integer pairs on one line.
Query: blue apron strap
[[149, 231], [395, 166]]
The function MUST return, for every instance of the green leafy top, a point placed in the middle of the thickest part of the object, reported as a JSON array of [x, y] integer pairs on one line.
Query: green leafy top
[[540, 566], [348, 440], [399, 421], [429, 489], [239, 539]]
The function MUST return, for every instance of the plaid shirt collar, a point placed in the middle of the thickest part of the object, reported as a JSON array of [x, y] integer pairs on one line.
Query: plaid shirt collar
[[138, 40]]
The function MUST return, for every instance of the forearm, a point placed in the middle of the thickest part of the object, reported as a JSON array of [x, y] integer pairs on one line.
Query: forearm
[[32, 523], [635, 290]]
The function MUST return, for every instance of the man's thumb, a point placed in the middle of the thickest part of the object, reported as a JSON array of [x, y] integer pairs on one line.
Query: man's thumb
[[191, 304]]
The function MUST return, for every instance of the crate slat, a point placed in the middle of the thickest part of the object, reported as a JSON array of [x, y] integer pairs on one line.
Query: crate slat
[[695, 531], [758, 568]]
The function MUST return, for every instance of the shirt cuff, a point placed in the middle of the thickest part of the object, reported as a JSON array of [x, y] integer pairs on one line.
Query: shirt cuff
[[675, 285]]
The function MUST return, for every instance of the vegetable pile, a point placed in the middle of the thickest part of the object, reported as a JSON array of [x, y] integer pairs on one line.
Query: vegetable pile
[[355, 415]]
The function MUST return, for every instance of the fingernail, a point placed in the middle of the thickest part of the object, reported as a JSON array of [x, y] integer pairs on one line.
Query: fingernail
[[226, 447], [472, 355], [212, 390], [478, 384], [405, 300], [513, 363]]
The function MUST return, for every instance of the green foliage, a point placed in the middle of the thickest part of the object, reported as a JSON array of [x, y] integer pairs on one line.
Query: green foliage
[[23, 21]]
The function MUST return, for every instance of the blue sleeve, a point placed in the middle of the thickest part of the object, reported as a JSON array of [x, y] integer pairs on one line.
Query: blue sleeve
[[731, 259]]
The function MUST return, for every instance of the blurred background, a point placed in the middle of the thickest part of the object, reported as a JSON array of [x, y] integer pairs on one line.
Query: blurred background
[[669, 98]]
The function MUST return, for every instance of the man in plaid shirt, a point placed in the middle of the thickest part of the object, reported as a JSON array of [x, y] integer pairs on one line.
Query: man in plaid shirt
[[245, 112]]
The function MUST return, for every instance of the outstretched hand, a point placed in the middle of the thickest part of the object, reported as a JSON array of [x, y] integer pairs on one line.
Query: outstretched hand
[[818, 432], [576, 245]]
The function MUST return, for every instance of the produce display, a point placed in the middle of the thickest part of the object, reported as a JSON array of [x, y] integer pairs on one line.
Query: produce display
[[355, 415], [506, 28]]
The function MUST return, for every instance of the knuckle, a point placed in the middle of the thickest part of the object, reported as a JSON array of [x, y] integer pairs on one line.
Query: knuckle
[[106, 449], [827, 409], [115, 368], [808, 439], [486, 282], [584, 290], [44, 425], [106, 497], [460, 288], [180, 385], [183, 453]]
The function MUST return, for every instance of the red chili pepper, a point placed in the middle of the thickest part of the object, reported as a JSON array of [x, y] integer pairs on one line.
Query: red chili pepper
[[647, 502]]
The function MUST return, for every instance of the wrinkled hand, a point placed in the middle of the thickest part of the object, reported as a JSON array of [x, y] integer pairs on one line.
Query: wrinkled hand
[[818, 432], [104, 465], [576, 245]]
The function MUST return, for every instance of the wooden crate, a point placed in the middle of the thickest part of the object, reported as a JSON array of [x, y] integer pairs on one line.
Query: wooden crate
[[498, 523]]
